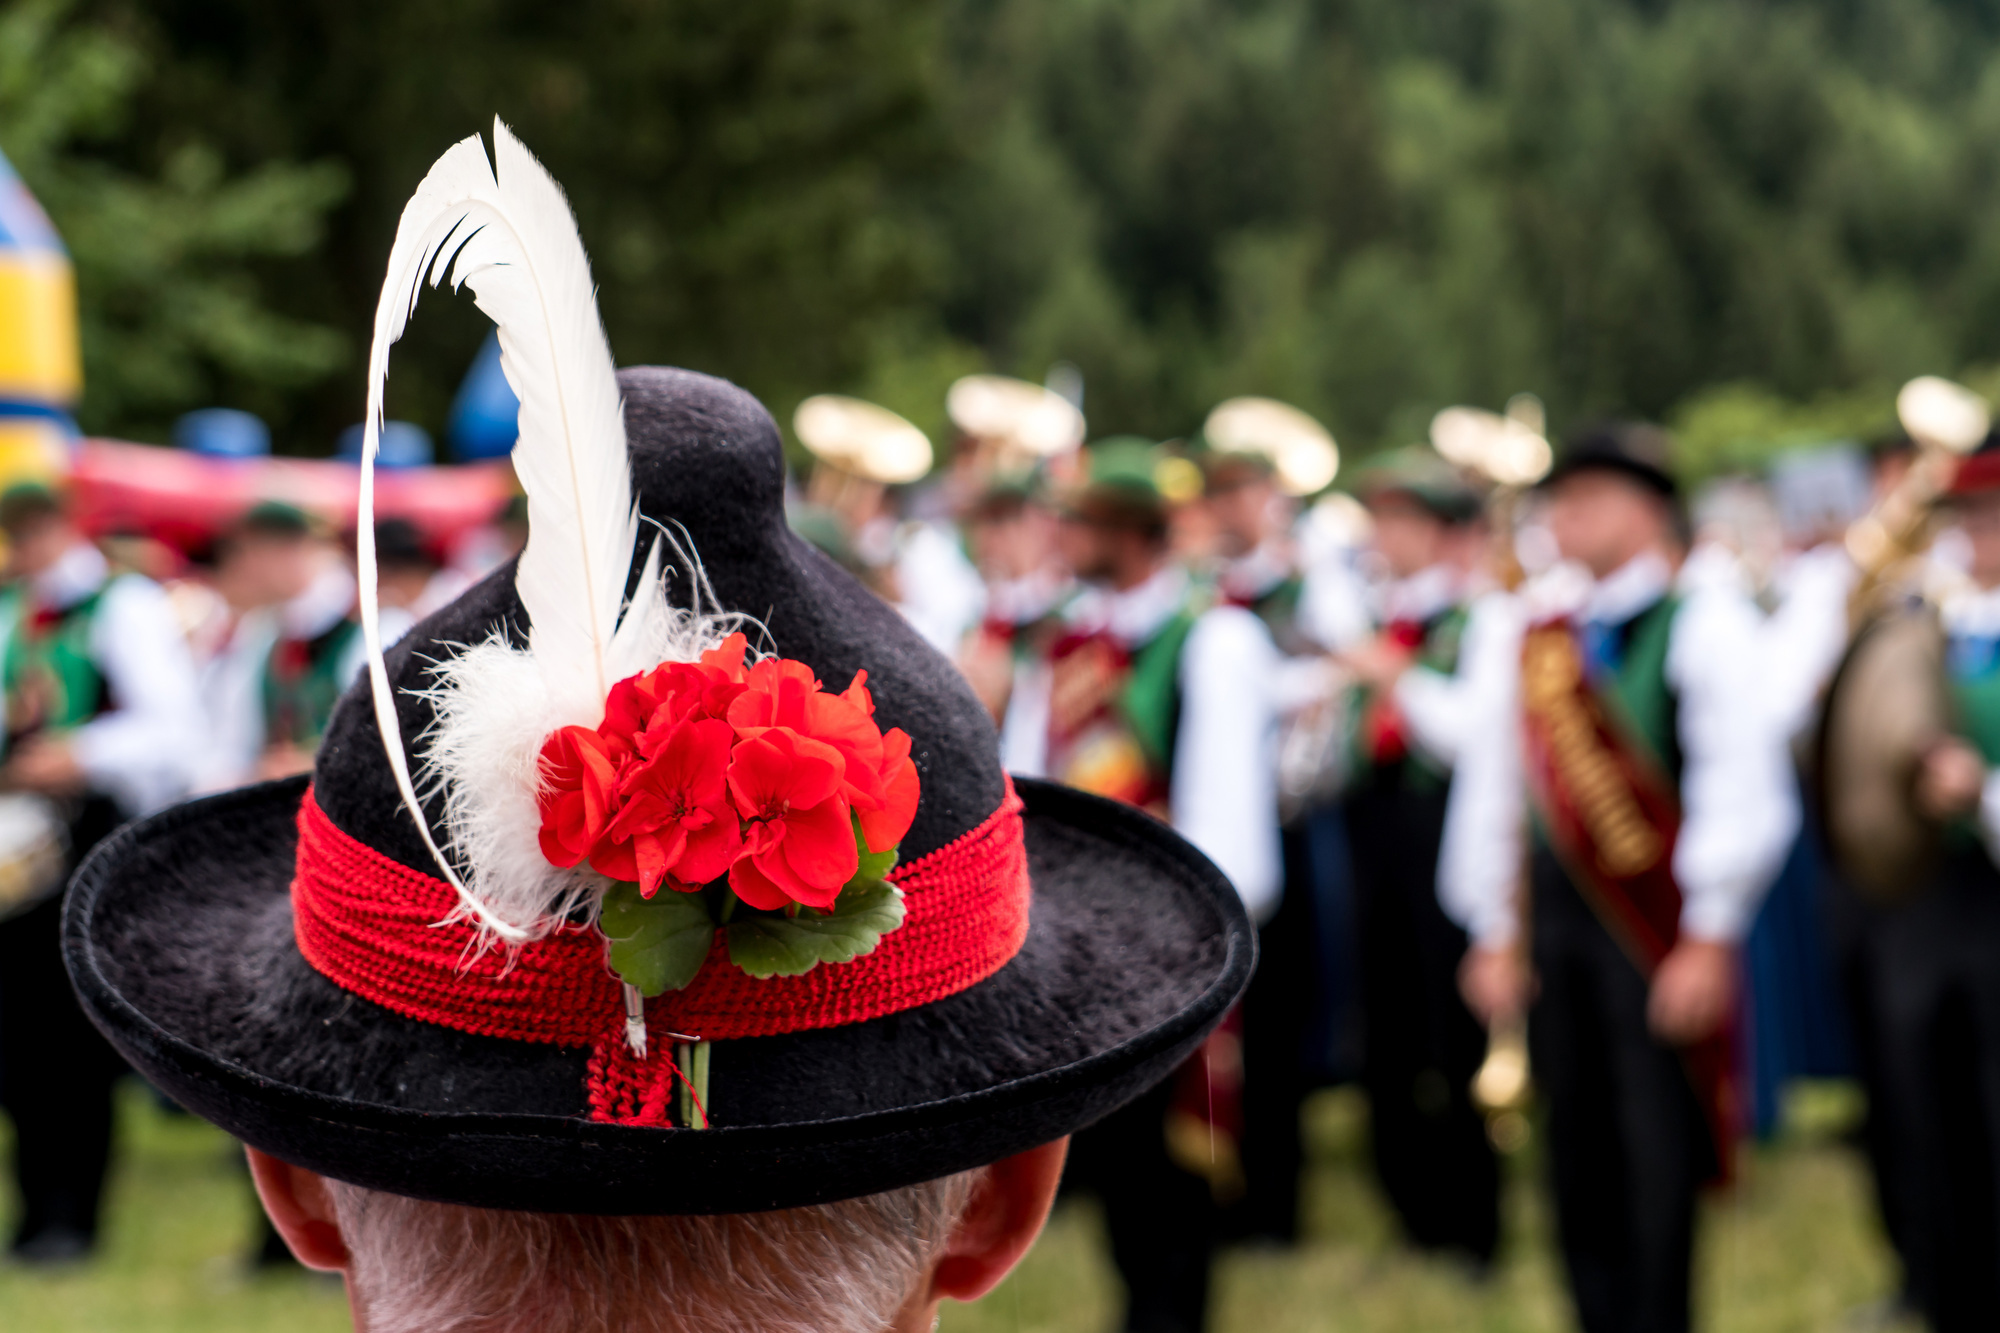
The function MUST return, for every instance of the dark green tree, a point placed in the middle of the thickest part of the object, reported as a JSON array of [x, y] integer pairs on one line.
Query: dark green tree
[[172, 310]]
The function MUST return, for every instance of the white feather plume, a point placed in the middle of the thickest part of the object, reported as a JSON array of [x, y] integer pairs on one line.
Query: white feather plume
[[510, 237]]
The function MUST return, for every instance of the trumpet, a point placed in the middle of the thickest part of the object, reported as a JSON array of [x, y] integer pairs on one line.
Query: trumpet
[[1512, 452], [1945, 421]]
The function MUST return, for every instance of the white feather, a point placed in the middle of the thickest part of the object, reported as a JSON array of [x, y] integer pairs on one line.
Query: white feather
[[511, 238]]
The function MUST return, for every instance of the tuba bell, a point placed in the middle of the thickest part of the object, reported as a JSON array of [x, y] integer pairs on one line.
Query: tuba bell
[[1888, 704]]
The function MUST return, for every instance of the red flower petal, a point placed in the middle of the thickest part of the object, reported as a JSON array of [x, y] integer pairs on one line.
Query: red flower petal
[[857, 694], [578, 793], [711, 849], [883, 828], [780, 770], [818, 849], [727, 657], [755, 888]]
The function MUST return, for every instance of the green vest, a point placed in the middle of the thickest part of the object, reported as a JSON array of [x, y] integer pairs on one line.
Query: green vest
[[302, 683], [51, 680], [1973, 669], [1151, 699], [1637, 696]]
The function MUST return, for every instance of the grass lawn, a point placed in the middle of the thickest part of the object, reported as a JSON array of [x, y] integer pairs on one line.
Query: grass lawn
[[1793, 1250]]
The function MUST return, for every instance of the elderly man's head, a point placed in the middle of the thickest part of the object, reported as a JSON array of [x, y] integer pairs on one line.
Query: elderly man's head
[[878, 1264]]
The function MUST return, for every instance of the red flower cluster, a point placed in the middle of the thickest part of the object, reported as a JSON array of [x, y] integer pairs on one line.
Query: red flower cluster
[[706, 768]]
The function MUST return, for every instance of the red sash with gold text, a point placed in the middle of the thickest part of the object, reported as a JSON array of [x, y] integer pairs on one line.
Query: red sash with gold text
[[1612, 817]]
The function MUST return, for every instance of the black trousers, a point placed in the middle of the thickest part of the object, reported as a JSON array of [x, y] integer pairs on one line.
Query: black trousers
[[1421, 1045], [56, 1072], [1278, 1011], [1928, 995], [1161, 1218], [1628, 1143], [1854, 938]]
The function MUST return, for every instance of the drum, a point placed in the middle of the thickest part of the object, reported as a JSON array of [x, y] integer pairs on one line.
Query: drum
[[1887, 706]]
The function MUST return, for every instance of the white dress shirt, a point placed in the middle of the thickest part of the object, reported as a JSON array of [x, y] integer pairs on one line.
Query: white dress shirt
[[143, 751], [1739, 804], [942, 594], [1443, 709], [1223, 796], [1806, 636], [231, 683]]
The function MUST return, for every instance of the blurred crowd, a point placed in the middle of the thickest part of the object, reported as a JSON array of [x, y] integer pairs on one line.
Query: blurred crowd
[[1509, 750], [1503, 747]]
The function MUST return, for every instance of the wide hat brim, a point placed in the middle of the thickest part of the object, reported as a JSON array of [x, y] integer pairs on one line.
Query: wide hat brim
[[179, 937]]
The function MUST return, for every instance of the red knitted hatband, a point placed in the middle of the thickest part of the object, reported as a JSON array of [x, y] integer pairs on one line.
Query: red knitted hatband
[[370, 925]]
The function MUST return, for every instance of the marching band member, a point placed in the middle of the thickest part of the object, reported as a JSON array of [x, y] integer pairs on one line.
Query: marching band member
[[1250, 517], [264, 562], [101, 722], [1931, 998], [1162, 699], [1663, 806], [1422, 1046]]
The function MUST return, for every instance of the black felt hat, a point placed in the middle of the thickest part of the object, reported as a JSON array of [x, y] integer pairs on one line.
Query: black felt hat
[[179, 933], [1632, 449]]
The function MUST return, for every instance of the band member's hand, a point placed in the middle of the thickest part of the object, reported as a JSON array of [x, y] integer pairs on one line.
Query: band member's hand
[[1951, 780], [46, 765], [1495, 983], [1377, 663], [1694, 990]]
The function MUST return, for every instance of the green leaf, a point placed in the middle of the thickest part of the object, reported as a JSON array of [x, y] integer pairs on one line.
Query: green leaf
[[774, 945], [657, 944], [873, 866]]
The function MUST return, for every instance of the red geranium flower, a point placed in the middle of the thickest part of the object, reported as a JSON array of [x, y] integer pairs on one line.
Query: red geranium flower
[[798, 838], [786, 694], [676, 825], [679, 690], [579, 791], [705, 768]]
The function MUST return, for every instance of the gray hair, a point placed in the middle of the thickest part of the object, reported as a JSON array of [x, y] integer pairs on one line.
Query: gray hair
[[846, 1267]]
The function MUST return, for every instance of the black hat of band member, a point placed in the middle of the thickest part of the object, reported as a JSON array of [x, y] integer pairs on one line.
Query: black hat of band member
[[1633, 449], [181, 935]]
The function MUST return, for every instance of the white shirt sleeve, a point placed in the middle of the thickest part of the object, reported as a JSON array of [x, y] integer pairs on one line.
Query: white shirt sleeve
[[1483, 856], [1224, 794], [1024, 727], [1333, 605], [1442, 710], [232, 694], [1805, 637], [1739, 799], [145, 751]]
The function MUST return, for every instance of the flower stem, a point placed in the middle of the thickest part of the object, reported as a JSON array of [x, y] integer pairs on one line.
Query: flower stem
[[692, 1057]]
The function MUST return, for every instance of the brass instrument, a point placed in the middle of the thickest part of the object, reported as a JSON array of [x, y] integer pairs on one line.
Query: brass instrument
[[1513, 453], [1887, 704]]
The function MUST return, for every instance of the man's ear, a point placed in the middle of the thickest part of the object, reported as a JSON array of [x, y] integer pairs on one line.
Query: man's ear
[[301, 1208], [1007, 1211]]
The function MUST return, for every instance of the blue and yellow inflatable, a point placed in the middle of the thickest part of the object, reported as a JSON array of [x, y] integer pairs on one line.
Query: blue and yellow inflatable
[[41, 370]]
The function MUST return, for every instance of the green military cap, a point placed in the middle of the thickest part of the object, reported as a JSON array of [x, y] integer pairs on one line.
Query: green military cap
[[27, 502], [1416, 472], [1122, 488]]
